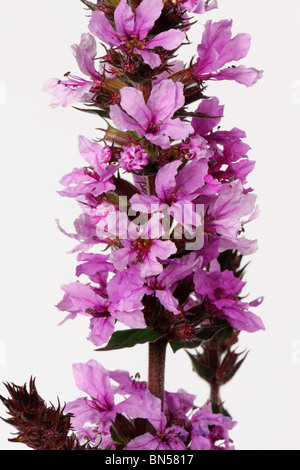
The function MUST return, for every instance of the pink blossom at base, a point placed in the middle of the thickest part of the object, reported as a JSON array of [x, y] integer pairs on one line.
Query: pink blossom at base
[[210, 430], [92, 417], [181, 426]]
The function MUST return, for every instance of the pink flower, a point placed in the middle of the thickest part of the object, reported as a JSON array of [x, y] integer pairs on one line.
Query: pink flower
[[154, 119], [143, 250], [224, 212], [66, 92], [125, 293], [84, 299], [221, 290], [133, 158], [95, 179], [164, 285], [149, 407], [94, 153], [196, 148], [92, 417], [218, 48], [211, 107], [132, 30], [85, 181], [175, 192], [210, 430], [198, 6]]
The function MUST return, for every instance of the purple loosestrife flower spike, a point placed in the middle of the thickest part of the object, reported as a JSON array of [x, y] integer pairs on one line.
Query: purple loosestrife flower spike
[[139, 189]]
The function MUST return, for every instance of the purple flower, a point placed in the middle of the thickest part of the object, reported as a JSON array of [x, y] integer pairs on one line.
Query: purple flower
[[66, 92], [95, 179], [119, 299], [154, 119], [94, 153], [126, 384], [220, 293], [86, 300], [230, 160], [92, 417], [211, 107], [198, 6], [133, 158], [171, 438], [210, 430], [164, 285], [84, 181], [125, 293], [178, 404], [132, 30], [96, 267], [143, 250], [175, 192], [218, 48], [224, 212], [196, 148], [149, 407], [85, 54]]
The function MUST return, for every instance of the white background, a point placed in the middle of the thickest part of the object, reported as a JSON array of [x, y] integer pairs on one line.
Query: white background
[[38, 145]]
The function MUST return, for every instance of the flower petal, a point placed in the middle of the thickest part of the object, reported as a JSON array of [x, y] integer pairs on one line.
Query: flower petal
[[124, 19], [146, 14], [100, 27]]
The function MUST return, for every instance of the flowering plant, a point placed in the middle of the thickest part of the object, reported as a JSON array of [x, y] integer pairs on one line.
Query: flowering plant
[[164, 201]]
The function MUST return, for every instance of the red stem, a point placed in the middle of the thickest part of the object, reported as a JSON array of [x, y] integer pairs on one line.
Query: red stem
[[156, 370]]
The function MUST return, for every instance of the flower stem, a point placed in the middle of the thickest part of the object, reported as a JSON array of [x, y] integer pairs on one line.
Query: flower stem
[[215, 392], [156, 368]]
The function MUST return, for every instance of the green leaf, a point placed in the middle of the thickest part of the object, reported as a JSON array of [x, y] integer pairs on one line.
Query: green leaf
[[184, 345], [202, 370], [208, 333], [184, 113], [129, 338], [219, 408], [100, 112], [227, 377]]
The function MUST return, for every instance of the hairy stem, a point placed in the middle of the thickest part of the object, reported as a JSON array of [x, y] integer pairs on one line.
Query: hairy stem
[[156, 368]]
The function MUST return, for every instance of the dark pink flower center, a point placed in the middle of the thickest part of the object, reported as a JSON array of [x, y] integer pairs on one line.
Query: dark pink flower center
[[153, 128], [142, 247]]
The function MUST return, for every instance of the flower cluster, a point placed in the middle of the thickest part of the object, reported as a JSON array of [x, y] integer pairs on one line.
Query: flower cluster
[[126, 416], [165, 201]]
